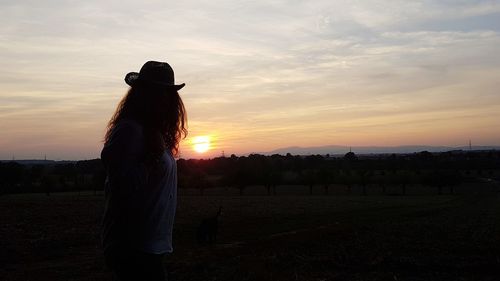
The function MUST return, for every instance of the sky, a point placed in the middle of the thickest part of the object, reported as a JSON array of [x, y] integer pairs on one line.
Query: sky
[[260, 75]]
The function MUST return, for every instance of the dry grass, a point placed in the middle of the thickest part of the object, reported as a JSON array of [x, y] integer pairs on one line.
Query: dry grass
[[270, 238]]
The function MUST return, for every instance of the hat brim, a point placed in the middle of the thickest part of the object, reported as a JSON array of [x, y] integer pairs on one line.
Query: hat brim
[[132, 78]]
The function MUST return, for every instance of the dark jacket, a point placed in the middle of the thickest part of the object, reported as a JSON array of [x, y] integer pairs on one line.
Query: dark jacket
[[140, 199]]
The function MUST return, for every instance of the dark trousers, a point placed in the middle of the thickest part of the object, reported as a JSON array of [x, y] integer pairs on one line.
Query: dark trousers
[[133, 265]]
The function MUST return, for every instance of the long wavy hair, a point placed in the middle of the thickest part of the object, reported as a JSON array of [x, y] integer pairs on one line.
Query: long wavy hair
[[161, 112]]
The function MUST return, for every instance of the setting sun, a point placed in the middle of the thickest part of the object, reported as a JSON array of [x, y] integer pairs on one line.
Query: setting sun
[[201, 144]]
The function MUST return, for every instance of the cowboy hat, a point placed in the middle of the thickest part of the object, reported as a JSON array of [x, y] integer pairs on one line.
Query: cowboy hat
[[154, 73]]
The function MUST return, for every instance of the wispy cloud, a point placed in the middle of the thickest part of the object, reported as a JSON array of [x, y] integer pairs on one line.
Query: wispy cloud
[[259, 74]]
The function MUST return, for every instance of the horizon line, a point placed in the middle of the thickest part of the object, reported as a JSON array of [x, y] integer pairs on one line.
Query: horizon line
[[471, 148]]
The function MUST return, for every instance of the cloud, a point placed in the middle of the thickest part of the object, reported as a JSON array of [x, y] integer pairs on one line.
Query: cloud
[[259, 74]]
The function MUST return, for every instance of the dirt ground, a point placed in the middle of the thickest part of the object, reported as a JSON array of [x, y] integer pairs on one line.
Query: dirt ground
[[419, 237]]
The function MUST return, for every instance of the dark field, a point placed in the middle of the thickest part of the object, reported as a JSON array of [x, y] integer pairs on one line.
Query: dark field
[[287, 237]]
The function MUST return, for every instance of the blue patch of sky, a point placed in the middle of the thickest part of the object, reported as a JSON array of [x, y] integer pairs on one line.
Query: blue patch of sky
[[489, 22]]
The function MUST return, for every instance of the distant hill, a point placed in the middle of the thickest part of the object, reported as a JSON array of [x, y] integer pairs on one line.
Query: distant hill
[[39, 162], [338, 149]]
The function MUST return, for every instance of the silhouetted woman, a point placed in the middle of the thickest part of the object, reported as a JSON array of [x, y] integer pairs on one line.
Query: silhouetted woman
[[141, 141]]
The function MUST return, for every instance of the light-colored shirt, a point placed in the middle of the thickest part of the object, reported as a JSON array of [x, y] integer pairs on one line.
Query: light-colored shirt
[[140, 202]]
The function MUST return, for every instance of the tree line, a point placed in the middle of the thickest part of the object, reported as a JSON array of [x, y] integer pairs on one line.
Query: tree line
[[439, 170], [444, 171], [16, 177]]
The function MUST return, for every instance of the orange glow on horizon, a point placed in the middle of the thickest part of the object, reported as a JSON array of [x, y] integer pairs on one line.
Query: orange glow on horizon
[[201, 144]]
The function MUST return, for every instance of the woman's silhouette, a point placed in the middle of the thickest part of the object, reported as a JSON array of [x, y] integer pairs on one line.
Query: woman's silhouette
[[141, 141]]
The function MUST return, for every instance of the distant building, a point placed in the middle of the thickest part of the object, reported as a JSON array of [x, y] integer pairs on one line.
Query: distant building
[[350, 156]]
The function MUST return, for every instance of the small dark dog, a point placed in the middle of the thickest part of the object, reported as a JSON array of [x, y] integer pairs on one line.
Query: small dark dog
[[207, 231]]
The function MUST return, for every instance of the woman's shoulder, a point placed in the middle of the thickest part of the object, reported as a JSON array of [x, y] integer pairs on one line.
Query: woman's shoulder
[[128, 127], [126, 130], [129, 123], [126, 137]]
